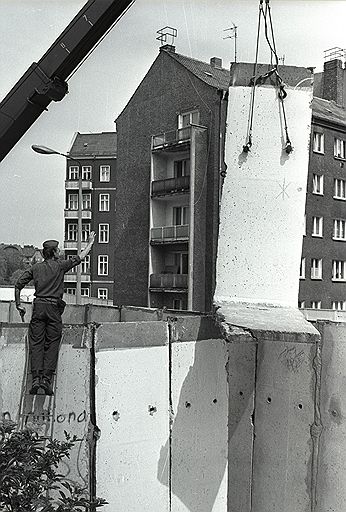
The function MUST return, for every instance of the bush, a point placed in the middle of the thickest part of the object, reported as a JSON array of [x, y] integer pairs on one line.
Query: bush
[[29, 481]]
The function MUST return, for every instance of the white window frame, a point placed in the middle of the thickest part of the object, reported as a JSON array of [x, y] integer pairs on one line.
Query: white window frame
[[102, 265], [338, 270], [316, 268], [317, 184], [104, 200], [317, 227], [85, 265], [185, 167], [184, 215], [86, 228], [302, 269], [105, 173], [339, 305], [73, 172], [71, 291], [104, 292], [86, 201], [86, 172], [85, 292], [193, 118], [72, 232], [318, 142], [73, 202], [103, 233], [339, 188], [339, 148], [316, 304], [339, 229]]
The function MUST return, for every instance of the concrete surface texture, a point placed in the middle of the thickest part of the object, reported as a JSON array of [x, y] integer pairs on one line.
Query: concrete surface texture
[[263, 197]]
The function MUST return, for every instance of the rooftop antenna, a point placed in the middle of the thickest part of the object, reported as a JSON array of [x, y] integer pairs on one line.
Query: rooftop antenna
[[167, 35], [232, 34]]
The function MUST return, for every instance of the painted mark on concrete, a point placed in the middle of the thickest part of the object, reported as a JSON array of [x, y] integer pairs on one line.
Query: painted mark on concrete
[[283, 188], [292, 359]]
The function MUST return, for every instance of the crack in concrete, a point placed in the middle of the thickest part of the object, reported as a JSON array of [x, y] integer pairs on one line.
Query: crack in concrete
[[317, 426]]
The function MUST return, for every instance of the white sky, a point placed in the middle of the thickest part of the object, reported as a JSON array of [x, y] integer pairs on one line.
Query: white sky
[[32, 186]]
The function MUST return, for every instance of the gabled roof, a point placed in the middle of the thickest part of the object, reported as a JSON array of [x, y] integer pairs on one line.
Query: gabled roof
[[327, 110], [94, 144], [213, 76]]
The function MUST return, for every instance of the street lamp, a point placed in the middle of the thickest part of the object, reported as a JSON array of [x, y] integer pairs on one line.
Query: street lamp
[[43, 150]]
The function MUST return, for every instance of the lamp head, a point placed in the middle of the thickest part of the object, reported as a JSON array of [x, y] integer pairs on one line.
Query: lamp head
[[43, 150]]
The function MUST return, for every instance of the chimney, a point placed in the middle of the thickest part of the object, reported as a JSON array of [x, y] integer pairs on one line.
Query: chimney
[[216, 62], [167, 48], [334, 82]]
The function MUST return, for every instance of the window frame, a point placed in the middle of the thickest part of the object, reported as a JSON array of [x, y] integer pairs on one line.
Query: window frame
[[302, 270], [75, 201], [336, 303], [316, 304], [339, 148], [103, 224], [86, 172], [339, 228], [342, 183], [189, 113], [103, 290], [86, 200], [317, 226], [74, 231], [73, 172], [107, 173], [318, 183], [105, 262], [85, 290], [316, 271], [316, 146], [339, 267], [100, 202], [70, 291]]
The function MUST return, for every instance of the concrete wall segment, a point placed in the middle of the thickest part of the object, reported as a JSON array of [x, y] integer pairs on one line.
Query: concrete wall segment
[[131, 335]]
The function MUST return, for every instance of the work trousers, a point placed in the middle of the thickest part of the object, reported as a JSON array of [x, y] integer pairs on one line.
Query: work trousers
[[45, 330]]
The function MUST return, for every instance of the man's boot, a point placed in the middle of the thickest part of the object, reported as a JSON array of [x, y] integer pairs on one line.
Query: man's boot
[[46, 385], [36, 384]]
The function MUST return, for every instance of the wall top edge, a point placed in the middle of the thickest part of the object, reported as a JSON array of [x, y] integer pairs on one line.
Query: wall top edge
[[242, 73]]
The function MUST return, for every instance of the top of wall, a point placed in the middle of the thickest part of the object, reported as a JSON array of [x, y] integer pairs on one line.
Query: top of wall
[[293, 76]]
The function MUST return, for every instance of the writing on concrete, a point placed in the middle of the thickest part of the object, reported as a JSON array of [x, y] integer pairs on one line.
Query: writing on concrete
[[292, 358], [44, 416]]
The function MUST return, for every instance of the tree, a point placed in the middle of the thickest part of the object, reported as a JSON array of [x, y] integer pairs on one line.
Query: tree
[[29, 481]]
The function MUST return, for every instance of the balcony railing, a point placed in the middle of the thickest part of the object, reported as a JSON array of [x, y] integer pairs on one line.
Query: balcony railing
[[72, 244], [72, 277], [74, 184], [169, 281], [170, 185], [73, 214], [170, 233], [171, 138]]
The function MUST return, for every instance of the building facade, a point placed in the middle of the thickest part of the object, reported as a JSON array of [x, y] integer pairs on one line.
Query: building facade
[[170, 169], [94, 156], [323, 265]]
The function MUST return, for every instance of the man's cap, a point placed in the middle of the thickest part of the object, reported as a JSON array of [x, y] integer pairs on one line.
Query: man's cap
[[50, 244]]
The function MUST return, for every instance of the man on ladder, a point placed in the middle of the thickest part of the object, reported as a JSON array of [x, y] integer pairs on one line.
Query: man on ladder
[[45, 328]]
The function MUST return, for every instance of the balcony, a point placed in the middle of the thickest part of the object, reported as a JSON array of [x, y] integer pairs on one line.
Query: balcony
[[73, 214], [168, 281], [72, 244], [169, 234], [170, 186], [74, 184], [172, 139], [71, 277]]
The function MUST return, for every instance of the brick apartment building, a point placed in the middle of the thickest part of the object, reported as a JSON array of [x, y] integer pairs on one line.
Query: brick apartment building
[[169, 173], [323, 266], [94, 155]]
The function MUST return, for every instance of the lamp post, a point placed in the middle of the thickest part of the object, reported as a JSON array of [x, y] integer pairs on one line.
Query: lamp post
[[43, 150]]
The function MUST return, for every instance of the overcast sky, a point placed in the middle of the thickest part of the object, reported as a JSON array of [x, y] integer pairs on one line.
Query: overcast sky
[[32, 186]]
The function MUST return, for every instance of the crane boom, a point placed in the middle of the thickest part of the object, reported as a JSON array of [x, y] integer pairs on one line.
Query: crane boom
[[45, 81]]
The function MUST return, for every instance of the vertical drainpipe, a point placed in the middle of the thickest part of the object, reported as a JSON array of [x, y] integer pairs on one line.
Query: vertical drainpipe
[[192, 217], [94, 431]]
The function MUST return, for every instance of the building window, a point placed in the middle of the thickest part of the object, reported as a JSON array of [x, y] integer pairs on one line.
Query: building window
[[71, 291], [72, 202], [339, 305], [103, 265], [85, 292], [181, 168], [86, 175], [73, 172], [85, 232], [73, 269], [339, 231], [181, 215], [72, 232], [316, 268], [317, 226], [85, 265], [317, 184], [104, 203], [339, 270], [105, 173], [318, 142], [339, 148], [302, 269], [86, 203], [181, 262], [103, 233], [316, 304], [187, 118], [339, 189], [102, 293], [177, 304], [301, 304]]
